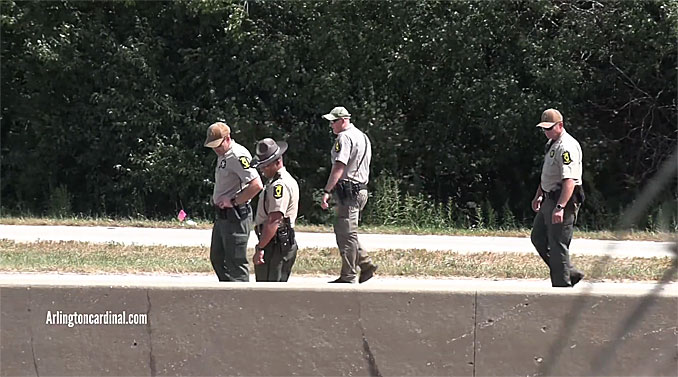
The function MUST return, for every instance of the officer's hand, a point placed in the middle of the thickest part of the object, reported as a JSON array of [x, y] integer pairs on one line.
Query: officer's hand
[[536, 203], [324, 201], [557, 216], [258, 257]]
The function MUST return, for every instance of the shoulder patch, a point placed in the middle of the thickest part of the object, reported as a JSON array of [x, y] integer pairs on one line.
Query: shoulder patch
[[278, 191], [337, 146], [245, 162], [566, 158]]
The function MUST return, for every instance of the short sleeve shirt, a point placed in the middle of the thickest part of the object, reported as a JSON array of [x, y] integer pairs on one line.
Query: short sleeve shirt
[[562, 160], [233, 172], [281, 194], [354, 149]]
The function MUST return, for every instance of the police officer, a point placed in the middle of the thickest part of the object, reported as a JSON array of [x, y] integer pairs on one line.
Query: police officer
[[236, 182], [350, 158], [276, 251], [557, 200]]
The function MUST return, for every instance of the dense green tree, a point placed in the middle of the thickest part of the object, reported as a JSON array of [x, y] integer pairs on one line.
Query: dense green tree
[[105, 104]]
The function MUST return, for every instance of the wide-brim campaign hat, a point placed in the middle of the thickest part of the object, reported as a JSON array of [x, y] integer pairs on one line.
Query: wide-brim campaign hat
[[267, 152]]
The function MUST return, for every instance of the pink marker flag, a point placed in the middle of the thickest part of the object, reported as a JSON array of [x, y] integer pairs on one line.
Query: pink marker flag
[[182, 215]]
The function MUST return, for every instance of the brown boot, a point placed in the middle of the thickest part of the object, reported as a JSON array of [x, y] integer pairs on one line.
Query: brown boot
[[367, 273]]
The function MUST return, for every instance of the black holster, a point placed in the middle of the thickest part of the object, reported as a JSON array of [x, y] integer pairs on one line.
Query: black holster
[[578, 194], [233, 214], [284, 236], [577, 197], [347, 191]]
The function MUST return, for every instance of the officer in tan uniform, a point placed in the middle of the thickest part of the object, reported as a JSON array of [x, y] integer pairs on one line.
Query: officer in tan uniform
[[276, 251], [557, 200], [350, 158], [236, 182]]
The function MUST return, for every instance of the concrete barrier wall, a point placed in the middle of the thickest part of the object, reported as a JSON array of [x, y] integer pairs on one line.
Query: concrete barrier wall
[[278, 330]]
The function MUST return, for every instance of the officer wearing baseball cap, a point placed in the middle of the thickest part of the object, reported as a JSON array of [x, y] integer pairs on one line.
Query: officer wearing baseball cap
[[557, 200], [236, 182], [350, 156], [276, 251]]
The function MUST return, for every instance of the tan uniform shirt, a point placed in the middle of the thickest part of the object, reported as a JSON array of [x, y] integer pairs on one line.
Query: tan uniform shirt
[[233, 172], [562, 160], [281, 194], [353, 148]]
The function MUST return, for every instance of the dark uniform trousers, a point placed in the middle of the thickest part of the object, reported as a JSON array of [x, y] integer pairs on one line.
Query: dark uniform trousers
[[552, 241], [228, 252], [346, 232], [277, 265]]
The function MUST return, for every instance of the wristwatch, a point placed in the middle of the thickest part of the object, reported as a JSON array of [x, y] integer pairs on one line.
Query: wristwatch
[[257, 248], [558, 206]]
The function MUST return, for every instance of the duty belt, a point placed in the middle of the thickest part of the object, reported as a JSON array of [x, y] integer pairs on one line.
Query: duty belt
[[552, 194], [577, 194], [362, 186], [223, 213]]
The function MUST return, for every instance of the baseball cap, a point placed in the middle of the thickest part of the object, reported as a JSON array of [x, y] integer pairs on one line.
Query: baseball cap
[[336, 113], [216, 134], [549, 118]]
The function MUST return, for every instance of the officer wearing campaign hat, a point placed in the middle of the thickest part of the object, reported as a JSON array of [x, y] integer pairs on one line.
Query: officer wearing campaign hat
[[236, 182], [557, 200], [276, 251], [350, 157]]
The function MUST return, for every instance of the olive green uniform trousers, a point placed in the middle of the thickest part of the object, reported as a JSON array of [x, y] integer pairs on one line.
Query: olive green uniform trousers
[[278, 264], [552, 241], [228, 252], [346, 232]]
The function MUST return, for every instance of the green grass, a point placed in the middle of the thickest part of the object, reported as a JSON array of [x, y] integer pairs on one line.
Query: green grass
[[203, 224], [81, 257]]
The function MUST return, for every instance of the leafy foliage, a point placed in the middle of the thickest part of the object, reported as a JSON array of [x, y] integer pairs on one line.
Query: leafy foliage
[[106, 103]]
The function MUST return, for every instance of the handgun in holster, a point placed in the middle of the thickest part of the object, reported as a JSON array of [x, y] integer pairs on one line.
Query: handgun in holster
[[239, 212], [347, 192], [284, 236], [578, 194], [233, 214]]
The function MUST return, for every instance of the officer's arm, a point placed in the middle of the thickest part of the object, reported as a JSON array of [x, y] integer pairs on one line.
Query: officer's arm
[[566, 191], [252, 189], [337, 171], [270, 226], [539, 193]]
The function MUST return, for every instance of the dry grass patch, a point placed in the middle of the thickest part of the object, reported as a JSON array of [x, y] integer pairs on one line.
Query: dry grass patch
[[97, 258], [82, 257]]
